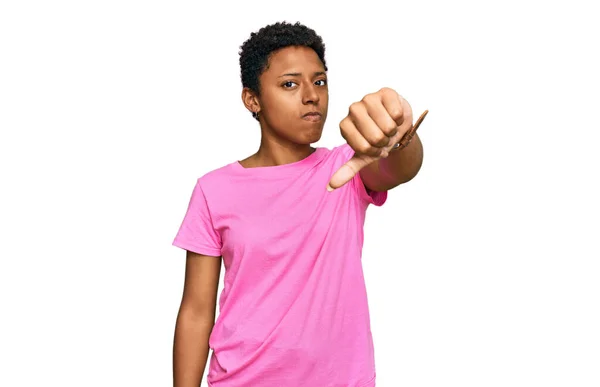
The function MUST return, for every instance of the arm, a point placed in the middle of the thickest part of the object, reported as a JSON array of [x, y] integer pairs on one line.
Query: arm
[[398, 168], [371, 128], [195, 319]]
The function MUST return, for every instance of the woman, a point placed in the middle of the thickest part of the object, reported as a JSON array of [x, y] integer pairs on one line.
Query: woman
[[293, 311]]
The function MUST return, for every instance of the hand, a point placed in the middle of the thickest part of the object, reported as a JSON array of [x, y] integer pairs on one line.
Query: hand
[[372, 128]]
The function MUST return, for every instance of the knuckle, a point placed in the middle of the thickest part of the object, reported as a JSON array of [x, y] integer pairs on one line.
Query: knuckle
[[369, 98], [396, 113], [387, 90], [344, 133], [364, 148], [390, 129], [344, 123], [355, 108], [380, 139]]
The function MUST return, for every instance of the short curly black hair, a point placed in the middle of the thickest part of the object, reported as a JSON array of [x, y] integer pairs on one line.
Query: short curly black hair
[[255, 51]]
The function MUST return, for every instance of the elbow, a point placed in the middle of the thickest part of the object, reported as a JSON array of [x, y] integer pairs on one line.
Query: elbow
[[197, 311]]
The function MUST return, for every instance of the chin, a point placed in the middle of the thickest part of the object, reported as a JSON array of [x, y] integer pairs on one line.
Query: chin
[[311, 137]]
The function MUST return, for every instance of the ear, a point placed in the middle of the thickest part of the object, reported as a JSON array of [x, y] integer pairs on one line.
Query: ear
[[250, 100]]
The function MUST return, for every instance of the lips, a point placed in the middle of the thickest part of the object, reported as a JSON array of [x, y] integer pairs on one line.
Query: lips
[[312, 114], [312, 117]]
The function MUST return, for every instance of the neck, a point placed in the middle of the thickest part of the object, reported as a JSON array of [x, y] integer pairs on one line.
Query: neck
[[277, 153]]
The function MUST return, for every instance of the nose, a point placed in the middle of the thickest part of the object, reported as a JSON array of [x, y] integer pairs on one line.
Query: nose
[[310, 95]]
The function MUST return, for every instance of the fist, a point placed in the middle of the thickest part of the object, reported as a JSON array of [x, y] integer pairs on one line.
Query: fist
[[372, 127]]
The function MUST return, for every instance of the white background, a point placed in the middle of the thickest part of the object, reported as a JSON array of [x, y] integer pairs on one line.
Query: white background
[[482, 271]]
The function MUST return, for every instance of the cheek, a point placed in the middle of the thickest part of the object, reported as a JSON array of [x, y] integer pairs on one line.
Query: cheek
[[283, 108], [325, 101], [279, 104]]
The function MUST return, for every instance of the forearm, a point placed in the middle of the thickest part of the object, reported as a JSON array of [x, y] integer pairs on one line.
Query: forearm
[[403, 164], [190, 347], [399, 167]]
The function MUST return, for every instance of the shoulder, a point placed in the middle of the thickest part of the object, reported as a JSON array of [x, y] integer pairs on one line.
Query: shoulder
[[216, 176], [341, 153]]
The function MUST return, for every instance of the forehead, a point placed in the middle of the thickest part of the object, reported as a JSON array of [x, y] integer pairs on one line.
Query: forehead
[[293, 58]]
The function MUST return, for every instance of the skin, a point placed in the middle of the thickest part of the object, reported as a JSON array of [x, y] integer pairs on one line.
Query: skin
[[283, 99], [286, 138], [195, 319], [371, 128]]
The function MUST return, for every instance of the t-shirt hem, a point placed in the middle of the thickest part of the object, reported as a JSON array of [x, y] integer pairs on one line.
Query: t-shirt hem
[[203, 250], [376, 198], [370, 383]]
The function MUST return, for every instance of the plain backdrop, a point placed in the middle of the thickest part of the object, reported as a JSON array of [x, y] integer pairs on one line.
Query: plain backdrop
[[482, 271]]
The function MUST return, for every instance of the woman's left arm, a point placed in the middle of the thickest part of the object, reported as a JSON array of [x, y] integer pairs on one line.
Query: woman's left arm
[[399, 167]]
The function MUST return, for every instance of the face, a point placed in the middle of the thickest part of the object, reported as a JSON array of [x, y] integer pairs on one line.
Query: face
[[294, 84]]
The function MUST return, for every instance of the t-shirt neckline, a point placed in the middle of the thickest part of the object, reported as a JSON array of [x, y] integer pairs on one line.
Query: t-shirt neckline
[[308, 161]]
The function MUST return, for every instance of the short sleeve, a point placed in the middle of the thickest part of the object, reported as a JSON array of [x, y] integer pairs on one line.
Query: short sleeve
[[369, 197], [196, 232], [376, 198]]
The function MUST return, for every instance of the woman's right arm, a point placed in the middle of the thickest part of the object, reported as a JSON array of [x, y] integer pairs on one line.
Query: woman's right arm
[[195, 319]]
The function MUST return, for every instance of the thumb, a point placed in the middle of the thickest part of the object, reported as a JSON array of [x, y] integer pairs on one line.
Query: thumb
[[347, 171]]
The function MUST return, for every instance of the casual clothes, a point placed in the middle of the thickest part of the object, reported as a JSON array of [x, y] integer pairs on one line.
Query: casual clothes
[[293, 310]]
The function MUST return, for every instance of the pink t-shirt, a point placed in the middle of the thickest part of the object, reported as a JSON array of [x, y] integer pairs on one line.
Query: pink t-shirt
[[293, 310]]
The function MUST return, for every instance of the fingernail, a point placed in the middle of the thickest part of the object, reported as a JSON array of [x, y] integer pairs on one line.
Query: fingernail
[[329, 188]]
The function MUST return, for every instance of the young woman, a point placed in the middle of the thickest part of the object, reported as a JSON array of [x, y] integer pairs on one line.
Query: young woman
[[293, 310]]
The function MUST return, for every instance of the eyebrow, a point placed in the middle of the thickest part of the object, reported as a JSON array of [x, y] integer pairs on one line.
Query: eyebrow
[[297, 74]]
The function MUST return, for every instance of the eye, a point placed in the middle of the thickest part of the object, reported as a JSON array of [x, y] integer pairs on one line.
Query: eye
[[323, 80], [287, 83]]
